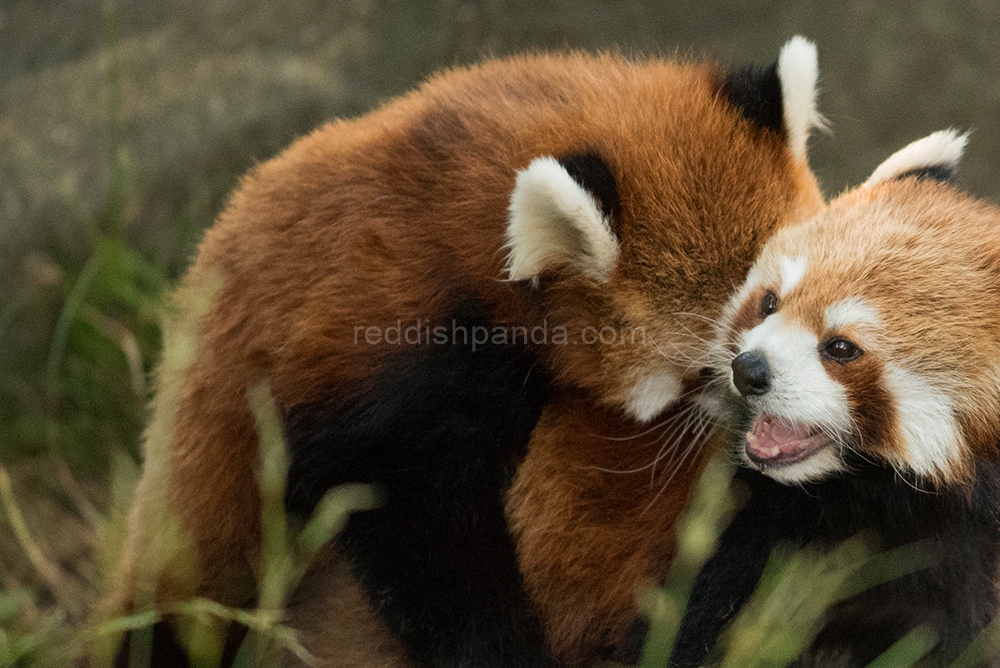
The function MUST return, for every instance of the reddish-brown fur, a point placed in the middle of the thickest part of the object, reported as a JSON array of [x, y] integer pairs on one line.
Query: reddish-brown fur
[[372, 221], [592, 513]]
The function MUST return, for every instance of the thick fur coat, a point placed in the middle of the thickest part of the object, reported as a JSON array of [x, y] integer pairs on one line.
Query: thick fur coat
[[514, 260]]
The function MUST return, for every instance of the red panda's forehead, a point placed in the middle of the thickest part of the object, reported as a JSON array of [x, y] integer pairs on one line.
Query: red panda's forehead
[[927, 287], [700, 190], [823, 304], [693, 221]]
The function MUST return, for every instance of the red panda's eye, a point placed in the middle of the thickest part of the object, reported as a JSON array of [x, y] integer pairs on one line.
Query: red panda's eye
[[840, 350], [768, 305]]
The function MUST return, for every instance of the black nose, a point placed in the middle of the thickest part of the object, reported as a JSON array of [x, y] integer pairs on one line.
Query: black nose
[[751, 374]]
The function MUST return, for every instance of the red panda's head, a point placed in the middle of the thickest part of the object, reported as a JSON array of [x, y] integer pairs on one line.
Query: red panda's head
[[871, 332], [632, 241]]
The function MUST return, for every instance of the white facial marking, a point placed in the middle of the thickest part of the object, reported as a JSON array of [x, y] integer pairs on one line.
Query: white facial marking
[[850, 311], [816, 467], [934, 444], [553, 219], [798, 73], [792, 271], [801, 391], [651, 394], [710, 404], [943, 148]]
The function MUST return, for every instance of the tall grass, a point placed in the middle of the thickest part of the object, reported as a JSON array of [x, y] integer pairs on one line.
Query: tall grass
[[79, 339], [786, 611], [285, 556]]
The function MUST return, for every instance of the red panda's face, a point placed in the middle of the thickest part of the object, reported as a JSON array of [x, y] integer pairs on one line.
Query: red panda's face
[[870, 333]]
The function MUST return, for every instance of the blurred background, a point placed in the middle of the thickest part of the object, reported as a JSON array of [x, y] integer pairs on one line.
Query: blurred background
[[125, 123]]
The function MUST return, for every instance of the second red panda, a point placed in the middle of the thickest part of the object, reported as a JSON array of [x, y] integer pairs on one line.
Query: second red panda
[[860, 362]]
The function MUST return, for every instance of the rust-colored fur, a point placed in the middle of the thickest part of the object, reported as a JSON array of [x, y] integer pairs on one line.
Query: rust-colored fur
[[592, 508], [390, 218]]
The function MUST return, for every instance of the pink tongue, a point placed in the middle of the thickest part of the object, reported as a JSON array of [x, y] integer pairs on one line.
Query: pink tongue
[[773, 439]]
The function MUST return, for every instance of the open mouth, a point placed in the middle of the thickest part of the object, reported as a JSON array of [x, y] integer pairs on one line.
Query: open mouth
[[773, 441]]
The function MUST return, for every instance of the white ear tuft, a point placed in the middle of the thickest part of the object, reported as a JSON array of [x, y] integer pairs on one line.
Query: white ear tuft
[[940, 151], [554, 220], [798, 71]]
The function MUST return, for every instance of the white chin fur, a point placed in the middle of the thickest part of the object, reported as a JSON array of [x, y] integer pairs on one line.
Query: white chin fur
[[816, 467], [651, 394], [710, 404]]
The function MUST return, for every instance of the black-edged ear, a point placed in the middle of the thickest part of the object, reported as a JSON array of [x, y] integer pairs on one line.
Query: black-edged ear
[[756, 92], [782, 97], [935, 157], [560, 213], [592, 174]]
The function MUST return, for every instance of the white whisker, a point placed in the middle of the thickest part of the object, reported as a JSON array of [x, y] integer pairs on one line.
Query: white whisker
[[695, 442], [668, 427]]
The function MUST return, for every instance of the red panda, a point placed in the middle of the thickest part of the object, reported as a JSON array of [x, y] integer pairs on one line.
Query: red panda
[[860, 363], [428, 288]]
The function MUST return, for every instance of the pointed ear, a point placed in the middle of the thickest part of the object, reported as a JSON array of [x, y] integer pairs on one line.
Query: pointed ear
[[781, 97], [934, 157], [560, 213]]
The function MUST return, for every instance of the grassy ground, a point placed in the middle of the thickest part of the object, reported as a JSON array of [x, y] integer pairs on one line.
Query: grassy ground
[[124, 124]]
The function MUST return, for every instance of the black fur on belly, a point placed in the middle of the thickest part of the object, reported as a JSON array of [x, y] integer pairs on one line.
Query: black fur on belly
[[956, 597], [441, 434]]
